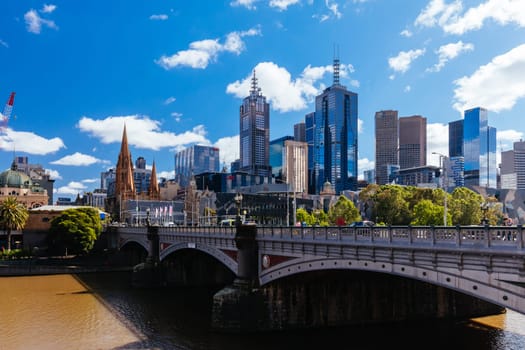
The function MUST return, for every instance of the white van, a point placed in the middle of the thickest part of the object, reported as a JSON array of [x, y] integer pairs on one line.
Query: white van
[[227, 222]]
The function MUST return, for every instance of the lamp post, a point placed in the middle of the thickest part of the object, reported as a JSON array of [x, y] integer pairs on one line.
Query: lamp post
[[238, 200], [443, 185]]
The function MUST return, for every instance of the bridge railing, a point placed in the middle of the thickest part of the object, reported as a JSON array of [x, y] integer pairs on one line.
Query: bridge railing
[[503, 237]]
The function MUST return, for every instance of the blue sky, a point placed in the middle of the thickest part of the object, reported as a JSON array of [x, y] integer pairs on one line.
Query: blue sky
[[175, 73]]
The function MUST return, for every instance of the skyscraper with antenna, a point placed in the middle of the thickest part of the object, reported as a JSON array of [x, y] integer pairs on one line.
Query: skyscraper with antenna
[[255, 132], [335, 136]]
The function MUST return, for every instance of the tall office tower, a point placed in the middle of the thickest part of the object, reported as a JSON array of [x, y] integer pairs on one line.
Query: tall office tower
[[277, 156], [295, 165], [513, 167], [387, 136], [456, 172], [335, 137], [309, 122], [479, 149], [370, 176], [195, 160], [299, 132], [455, 138], [508, 175], [255, 133], [412, 142], [519, 164]]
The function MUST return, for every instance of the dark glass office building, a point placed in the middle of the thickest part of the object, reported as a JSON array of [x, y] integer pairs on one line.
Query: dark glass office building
[[255, 133], [387, 144], [195, 160], [335, 137], [276, 156], [309, 121]]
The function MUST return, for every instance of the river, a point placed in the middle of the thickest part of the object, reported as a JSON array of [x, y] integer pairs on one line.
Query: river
[[101, 311]]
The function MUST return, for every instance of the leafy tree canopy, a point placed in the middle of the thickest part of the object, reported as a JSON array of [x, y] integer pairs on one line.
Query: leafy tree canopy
[[343, 212], [75, 230]]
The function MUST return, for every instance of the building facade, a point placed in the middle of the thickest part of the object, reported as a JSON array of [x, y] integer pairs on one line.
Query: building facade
[[479, 149], [299, 132], [455, 138], [277, 155], [15, 183], [255, 132], [295, 165], [37, 174], [195, 160], [335, 137], [309, 122], [412, 142], [387, 138]]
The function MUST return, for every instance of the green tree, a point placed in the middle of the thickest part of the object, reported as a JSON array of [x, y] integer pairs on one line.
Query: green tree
[[303, 216], [320, 217], [13, 216], [343, 212], [391, 206], [75, 230], [465, 206], [427, 212]]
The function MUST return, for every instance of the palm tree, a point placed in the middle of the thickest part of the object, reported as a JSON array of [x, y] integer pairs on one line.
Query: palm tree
[[13, 216]]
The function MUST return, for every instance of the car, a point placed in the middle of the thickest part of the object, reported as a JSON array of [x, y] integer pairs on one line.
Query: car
[[364, 223]]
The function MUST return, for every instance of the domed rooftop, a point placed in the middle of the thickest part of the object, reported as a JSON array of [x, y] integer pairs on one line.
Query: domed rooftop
[[15, 178]]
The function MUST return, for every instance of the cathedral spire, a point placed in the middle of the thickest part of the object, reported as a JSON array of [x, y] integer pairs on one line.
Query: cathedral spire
[[153, 184], [124, 184]]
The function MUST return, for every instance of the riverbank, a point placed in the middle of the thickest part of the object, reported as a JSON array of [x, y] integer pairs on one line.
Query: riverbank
[[58, 265]]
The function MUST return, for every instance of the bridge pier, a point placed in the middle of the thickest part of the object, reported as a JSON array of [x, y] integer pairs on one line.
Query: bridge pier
[[150, 272], [241, 306]]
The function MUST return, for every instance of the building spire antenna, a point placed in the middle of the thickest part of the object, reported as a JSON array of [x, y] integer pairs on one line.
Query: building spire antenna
[[255, 90], [336, 65]]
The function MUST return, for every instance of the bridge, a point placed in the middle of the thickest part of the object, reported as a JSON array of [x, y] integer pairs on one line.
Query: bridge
[[485, 262]]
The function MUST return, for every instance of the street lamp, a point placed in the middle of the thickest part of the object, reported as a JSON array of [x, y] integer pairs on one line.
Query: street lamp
[[443, 185], [238, 200]]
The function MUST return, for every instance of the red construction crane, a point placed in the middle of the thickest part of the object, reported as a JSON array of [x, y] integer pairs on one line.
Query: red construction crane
[[6, 114]]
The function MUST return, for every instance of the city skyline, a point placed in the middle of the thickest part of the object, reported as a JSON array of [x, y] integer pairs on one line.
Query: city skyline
[[175, 74]]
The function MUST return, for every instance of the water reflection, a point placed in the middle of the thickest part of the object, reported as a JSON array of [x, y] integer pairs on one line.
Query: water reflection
[[101, 311]]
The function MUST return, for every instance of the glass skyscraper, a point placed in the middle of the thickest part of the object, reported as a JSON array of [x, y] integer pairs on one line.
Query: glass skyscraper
[[309, 121], [277, 155], [335, 137], [387, 145], [195, 160], [479, 149], [255, 133]]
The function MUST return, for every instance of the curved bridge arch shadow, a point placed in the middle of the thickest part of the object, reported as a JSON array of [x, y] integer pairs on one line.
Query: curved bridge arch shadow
[[218, 254], [479, 284]]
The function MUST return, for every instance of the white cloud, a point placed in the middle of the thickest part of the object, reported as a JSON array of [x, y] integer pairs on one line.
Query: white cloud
[[78, 159], [282, 5], [29, 142], [448, 17], [142, 132], [407, 88], [229, 149], [48, 8], [448, 52], [406, 33], [360, 125], [496, 86], [166, 174], [365, 164], [177, 116], [334, 8], [90, 181], [249, 4], [72, 188], [170, 100], [161, 17], [437, 141], [34, 22], [401, 63], [3, 43], [506, 139], [54, 174], [201, 53], [282, 91]]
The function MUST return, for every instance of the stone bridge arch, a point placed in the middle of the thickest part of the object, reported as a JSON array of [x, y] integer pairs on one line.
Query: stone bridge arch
[[218, 254], [500, 289]]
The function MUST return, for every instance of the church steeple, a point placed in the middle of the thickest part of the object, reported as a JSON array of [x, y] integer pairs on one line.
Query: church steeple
[[153, 184], [124, 185]]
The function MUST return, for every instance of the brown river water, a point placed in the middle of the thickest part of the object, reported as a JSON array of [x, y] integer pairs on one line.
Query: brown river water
[[102, 311]]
